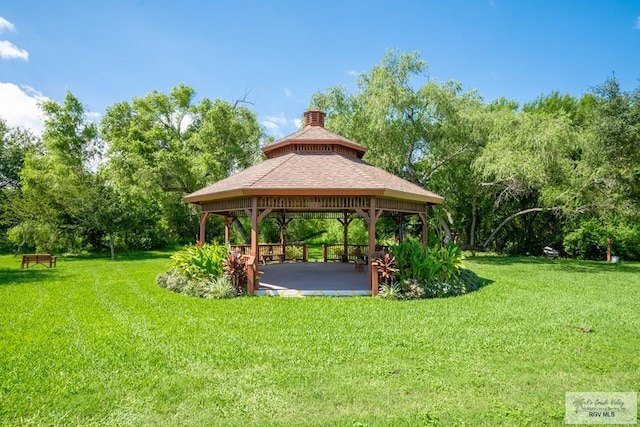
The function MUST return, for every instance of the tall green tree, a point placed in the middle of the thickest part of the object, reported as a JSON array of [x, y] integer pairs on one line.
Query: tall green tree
[[164, 146], [15, 144], [424, 131], [56, 181]]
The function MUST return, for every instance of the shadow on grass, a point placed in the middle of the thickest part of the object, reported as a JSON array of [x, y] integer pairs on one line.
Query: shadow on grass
[[567, 265], [124, 256], [13, 276]]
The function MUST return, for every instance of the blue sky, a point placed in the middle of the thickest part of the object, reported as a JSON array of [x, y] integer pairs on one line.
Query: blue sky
[[284, 51]]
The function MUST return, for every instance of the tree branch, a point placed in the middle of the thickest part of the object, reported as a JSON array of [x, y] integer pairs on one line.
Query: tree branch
[[445, 160], [511, 217]]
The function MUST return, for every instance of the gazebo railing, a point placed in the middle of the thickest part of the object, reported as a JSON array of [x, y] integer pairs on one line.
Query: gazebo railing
[[270, 252], [336, 252]]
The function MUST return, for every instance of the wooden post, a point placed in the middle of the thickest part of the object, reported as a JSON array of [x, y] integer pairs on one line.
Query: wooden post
[[227, 229], [609, 249], [284, 224], [305, 253], [372, 228], [373, 277], [425, 232], [345, 236], [253, 284], [324, 252], [400, 227], [203, 227]]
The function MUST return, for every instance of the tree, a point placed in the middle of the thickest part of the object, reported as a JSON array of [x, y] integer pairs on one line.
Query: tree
[[15, 144], [426, 134], [57, 181], [164, 146]]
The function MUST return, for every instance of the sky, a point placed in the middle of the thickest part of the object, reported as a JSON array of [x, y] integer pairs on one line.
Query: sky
[[279, 52]]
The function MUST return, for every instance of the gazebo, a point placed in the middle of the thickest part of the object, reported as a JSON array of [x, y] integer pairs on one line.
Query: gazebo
[[312, 173]]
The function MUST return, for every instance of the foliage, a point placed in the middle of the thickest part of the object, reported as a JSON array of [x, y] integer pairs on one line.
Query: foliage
[[215, 288], [164, 146], [295, 253], [15, 144], [589, 240], [443, 289], [392, 290], [200, 261], [426, 264], [172, 281], [468, 279], [235, 270], [387, 268], [412, 289], [430, 272], [515, 177], [221, 288], [512, 177]]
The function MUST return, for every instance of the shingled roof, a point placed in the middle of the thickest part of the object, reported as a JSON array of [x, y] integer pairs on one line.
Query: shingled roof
[[314, 161]]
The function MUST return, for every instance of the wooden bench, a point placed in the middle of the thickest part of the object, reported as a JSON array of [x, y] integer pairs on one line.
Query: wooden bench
[[43, 259]]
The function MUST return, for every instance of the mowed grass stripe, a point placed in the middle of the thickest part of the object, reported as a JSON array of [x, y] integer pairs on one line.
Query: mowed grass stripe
[[96, 342]]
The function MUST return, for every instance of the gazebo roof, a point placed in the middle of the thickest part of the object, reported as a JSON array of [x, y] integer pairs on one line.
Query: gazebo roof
[[314, 162]]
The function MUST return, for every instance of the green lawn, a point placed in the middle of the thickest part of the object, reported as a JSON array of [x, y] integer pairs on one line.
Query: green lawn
[[96, 342]]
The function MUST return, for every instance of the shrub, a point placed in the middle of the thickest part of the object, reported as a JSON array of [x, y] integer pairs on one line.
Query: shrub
[[172, 282], [589, 240], [235, 270], [428, 272], [468, 279], [198, 271], [391, 291], [197, 261], [444, 290], [220, 288], [387, 268], [411, 289], [426, 264], [294, 252]]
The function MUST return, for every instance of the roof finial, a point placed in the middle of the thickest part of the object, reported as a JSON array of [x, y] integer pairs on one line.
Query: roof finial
[[314, 118]]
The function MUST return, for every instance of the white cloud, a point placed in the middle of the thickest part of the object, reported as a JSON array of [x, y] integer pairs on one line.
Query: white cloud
[[10, 51], [353, 73], [638, 23], [280, 120], [279, 124], [6, 25], [288, 93], [93, 115], [271, 126], [19, 107]]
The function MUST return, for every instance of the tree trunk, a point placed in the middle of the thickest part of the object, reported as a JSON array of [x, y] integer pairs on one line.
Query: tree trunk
[[472, 232], [243, 233], [446, 229], [112, 246], [509, 218]]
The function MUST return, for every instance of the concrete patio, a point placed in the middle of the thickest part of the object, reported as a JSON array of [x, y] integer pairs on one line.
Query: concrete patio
[[313, 279]]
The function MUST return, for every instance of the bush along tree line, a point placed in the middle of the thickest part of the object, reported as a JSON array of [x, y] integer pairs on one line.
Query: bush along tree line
[[206, 271], [558, 171], [411, 270]]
